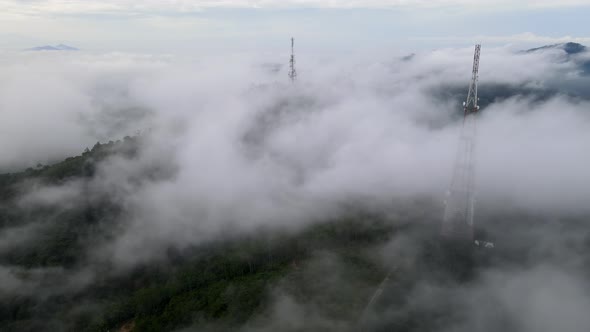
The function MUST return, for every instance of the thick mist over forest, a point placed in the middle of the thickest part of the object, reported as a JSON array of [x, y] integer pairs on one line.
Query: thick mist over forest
[[222, 150]]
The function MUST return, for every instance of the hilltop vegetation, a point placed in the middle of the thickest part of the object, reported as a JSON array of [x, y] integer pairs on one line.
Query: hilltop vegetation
[[55, 274], [223, 284]]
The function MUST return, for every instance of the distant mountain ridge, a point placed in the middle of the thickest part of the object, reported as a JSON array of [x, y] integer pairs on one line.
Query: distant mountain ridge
[[569, 48], [60, 47]]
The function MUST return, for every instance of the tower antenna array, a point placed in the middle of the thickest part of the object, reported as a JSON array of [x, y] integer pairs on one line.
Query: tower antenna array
[[460, 200], [292, 71], [470, 106]]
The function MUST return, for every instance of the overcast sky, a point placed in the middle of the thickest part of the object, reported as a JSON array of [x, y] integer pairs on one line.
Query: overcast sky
[[254, 25]]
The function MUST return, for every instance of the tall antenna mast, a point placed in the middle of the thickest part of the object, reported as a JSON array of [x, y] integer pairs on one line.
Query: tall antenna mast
[[470, 106], [292, 71], [460, 202]]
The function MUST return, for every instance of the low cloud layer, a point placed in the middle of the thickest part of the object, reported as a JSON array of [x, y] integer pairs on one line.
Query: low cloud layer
[[238, 147], [228, 146]]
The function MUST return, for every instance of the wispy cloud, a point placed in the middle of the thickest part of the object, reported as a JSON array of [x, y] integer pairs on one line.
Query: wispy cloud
[[128, 7], [521, 38]]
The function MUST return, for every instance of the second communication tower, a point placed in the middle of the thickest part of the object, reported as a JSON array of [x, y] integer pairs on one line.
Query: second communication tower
[[292, 71]]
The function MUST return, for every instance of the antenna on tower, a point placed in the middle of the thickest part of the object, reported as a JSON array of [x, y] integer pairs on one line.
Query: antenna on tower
[[460, 202], [292, 71], [470, 106]]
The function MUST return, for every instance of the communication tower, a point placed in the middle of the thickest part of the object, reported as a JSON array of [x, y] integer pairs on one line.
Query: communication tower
[[292, 71], [460, 200]]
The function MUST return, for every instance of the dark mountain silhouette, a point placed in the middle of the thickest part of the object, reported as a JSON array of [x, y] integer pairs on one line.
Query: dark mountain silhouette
[[60, 47], [568, 48]]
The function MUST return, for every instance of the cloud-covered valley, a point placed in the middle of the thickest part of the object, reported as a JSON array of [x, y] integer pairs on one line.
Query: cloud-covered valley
[[228, 146], [249, 148]]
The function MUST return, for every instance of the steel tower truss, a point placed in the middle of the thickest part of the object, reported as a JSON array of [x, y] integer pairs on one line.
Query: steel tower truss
[[292, 71], [460, 200]]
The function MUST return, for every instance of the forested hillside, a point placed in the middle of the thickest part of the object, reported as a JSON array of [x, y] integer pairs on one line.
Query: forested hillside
[[320, 277], [220, 285]]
